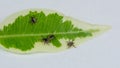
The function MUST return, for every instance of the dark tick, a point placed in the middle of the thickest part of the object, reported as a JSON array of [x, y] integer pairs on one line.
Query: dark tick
[[70, 44], [33, 20], [48, 39], [51, 37], [45, 40]]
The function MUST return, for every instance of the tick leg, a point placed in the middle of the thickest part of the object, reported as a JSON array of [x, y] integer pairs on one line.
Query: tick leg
[[74, 46]]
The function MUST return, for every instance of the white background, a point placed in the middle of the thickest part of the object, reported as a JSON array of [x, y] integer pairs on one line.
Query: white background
[[100, 52]]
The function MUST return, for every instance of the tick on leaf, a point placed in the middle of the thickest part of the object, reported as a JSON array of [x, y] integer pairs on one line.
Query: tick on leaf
[[45, 40], [51, 37], [70, 44], [48, 39], [33, 20]]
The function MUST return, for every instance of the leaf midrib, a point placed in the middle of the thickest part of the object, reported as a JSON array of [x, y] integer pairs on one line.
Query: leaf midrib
[[29, 35]]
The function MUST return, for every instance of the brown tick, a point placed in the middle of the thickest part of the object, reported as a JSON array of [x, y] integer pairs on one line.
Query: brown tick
[[70, 44], [48, 39]]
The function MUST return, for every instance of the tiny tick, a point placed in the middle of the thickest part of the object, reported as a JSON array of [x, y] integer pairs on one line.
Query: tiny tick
[[51, 37], [48, 39], [45, 40], [70, 44], [33, 20]]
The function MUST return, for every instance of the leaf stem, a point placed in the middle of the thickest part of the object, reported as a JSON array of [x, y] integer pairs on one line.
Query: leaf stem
[[28, 35]]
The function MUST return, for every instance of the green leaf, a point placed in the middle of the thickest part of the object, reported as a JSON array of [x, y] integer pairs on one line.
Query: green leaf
[[56, 42], [23, 33]]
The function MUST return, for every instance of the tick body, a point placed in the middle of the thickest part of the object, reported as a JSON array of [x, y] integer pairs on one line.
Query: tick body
[[48, 39], [51, 37], [33, 20], [45, 40], [70, 44]]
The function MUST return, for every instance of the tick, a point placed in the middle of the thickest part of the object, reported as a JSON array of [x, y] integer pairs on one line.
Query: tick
[[70, 44], [48, 39], [33, 20]]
